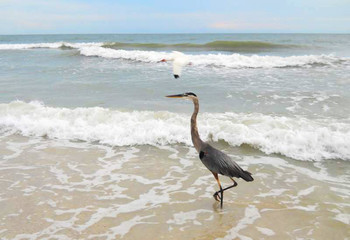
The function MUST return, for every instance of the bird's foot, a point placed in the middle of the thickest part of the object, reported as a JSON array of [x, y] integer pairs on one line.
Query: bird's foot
[[217, 196]]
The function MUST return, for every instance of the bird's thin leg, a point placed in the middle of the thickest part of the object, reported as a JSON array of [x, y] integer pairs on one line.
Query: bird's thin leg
[[234, 184], [216, 194], [221, 191], [222, 197]]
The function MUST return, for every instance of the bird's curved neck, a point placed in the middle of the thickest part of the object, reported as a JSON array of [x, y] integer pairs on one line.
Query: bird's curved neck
[[197, 142]]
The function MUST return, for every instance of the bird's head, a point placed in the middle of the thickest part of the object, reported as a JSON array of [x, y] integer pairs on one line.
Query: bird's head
[[188, 96]]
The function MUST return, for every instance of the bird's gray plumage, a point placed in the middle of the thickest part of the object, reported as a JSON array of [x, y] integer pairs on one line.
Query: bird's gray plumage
[[218, 162]]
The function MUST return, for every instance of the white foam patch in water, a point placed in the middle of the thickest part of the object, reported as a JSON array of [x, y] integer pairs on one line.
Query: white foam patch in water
[[60, 175], [54, 227], [306, 191], [97, 178], [308, 208], [343, 217], [282, 164], [343, 192], [17, 148], [27, 191], [272, 192], [298, 100], [266, 231], [18, 167], [292, 179], [203, 181], [250, 216], [149, 200], [123, 228], [182, 218], [298, 138], [184, 161]]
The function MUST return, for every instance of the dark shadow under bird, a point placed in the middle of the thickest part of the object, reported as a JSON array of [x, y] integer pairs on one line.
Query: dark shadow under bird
[[215, 160]]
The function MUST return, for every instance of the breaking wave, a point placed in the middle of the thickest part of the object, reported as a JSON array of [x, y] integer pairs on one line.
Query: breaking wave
[[217, 60], [237, 46], [297, 138], [53, 45], [234, 60]]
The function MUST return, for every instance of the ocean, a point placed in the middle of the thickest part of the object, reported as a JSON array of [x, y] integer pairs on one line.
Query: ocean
[[92, 149]]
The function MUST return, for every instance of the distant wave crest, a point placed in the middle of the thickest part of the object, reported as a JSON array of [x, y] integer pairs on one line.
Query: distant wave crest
[[218, 60], [237, 46], [232, 46], [298, 138], [53, 45], [235, 60]]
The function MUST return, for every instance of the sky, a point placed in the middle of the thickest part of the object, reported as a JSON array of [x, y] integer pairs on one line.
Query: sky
[[180, 16]]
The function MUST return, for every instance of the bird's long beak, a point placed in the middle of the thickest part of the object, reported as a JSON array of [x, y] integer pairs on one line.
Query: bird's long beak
[[176, 96]]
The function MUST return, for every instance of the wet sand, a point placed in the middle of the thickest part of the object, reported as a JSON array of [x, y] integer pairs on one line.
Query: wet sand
[[56, 189]]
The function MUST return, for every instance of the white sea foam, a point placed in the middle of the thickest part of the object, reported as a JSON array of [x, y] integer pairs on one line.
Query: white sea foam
[[182, 218], [52, 45], [133, 55], [266, 231], [250, 216], [343, 217], [215, 60], [298, 138], [307, 191]]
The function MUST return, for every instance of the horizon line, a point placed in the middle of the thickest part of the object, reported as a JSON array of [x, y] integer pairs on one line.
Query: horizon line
[[155, 33]]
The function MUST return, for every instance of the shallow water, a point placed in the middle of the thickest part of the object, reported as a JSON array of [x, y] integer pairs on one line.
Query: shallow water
[[91, 149], [60, 190]]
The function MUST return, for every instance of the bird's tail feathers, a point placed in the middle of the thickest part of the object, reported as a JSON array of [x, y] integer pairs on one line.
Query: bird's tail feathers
[[247, 176]]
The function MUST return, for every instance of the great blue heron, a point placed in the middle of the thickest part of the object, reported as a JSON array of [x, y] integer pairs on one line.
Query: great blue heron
[[179, 60], [215, 160]]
